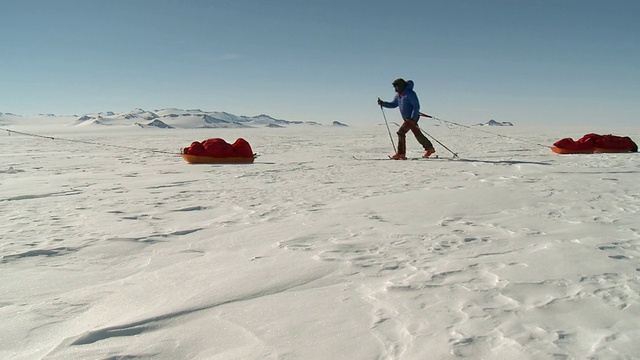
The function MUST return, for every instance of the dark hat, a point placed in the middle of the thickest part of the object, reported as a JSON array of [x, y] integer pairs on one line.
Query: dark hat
[[399, 82]]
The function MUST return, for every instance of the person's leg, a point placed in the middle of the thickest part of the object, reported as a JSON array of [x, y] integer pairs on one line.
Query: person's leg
[[402, 137], [422, 139], [426, 144]]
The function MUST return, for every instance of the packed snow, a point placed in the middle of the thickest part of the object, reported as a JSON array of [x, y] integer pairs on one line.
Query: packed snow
[[113, 247]]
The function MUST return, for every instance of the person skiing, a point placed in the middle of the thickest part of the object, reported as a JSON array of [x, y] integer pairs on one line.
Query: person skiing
[[407, 100]]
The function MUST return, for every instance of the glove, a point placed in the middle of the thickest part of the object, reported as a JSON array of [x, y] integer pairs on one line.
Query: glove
[[380, 101]]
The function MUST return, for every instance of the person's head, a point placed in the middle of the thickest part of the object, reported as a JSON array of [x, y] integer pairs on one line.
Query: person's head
[[399, 84]]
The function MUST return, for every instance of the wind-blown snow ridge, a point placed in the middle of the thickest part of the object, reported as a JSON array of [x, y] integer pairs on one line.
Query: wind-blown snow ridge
[[143, 325]]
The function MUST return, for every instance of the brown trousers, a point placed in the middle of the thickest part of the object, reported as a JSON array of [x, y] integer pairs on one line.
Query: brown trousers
[[402, 138]]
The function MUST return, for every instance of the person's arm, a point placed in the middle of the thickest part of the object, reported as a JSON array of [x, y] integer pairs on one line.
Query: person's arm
[[390, 105]]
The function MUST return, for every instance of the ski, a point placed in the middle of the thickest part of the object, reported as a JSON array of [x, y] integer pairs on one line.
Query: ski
[[409, 158], [369, 159]]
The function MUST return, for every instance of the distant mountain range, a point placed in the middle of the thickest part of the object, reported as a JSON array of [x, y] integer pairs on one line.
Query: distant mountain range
[[495, 123], [180, 119], [170, 119], [184, 119]]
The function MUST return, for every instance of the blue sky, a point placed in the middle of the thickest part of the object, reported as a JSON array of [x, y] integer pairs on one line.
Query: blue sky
[[528, 62]]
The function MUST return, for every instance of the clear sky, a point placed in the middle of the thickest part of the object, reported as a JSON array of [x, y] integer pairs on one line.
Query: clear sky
[[524, 61]]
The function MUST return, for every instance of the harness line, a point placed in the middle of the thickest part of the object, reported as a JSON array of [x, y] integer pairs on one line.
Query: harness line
[[484, 131], [88, 142]]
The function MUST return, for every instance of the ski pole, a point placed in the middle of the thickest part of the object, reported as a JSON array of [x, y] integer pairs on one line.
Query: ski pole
[[441, 144], [388, 130]]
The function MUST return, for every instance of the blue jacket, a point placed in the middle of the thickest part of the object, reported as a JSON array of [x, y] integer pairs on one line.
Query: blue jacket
[[407, 101]]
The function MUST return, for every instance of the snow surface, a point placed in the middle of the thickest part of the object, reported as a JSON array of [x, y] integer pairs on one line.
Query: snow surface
[[512, 252]]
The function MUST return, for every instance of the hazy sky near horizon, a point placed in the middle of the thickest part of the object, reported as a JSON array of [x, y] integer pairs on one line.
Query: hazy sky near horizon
[[533, 61]]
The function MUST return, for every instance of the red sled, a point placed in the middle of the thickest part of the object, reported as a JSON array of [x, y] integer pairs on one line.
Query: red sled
[[594, 143], [218, 151]]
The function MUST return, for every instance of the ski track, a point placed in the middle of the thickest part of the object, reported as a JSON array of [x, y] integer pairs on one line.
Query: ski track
[[500, 255]]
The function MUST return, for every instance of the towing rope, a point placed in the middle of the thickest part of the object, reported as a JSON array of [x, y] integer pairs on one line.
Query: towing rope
[[484, 131], [9, 131]]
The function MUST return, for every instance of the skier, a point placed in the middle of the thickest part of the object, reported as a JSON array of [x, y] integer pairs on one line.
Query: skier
[[407, 100]]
